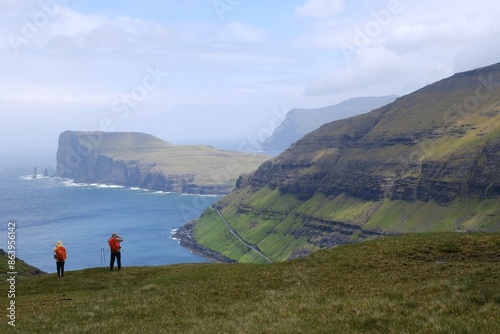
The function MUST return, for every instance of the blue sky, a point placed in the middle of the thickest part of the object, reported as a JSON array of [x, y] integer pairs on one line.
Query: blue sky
[[202, 71]]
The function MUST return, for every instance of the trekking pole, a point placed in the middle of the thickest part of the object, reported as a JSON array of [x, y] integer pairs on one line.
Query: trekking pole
[[103, 257]]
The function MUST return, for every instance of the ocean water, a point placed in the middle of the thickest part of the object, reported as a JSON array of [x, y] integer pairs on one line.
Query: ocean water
[[83, 216]]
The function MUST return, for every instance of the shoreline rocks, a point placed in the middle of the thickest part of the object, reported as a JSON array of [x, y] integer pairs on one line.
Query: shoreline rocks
[[185, 236]]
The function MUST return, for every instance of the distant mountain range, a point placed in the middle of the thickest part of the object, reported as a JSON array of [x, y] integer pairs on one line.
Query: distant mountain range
[[141, 160], [429, 161], [299, 122]]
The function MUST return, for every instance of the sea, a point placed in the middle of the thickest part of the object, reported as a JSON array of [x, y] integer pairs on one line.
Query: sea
[[38, 211]]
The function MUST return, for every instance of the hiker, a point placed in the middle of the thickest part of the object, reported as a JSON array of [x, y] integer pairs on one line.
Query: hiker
[[114, 246], [60, 257]]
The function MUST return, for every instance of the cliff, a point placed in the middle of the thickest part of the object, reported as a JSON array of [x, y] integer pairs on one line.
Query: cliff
[[299, 122], [142, 160], [429, 161]]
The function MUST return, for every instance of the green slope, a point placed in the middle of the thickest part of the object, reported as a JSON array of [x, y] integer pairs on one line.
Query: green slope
[[345, 218], [429, 161], [428, 283]]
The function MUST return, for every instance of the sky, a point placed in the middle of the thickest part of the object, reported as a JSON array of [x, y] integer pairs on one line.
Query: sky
[[206, 71]]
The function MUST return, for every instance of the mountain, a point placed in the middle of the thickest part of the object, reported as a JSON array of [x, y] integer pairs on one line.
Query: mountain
[[429, 161], [299, 122], [141, 160]]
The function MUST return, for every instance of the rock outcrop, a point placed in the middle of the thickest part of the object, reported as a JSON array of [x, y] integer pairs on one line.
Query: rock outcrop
[[142, 160]]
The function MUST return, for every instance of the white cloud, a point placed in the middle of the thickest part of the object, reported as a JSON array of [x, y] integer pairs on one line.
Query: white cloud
[[233, 32], [457, 31], [413, 47], [72, 31], [320, 9], [374, 72]]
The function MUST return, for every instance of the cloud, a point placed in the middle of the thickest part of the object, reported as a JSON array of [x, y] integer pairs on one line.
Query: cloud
[[78, 62], [457, 31], [67, 30], [483, 52], [233, 32], [374, 72], [411, 45], [72, 31], [320, 9]]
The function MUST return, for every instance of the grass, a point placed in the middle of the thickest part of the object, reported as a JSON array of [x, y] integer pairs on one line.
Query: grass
[[339, 208], [210, 165], [280, 247], [212, 231], [280, 233], [416, 283]]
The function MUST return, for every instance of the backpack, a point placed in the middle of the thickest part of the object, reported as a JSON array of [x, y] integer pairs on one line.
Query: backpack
[[114, 245], [60, 253]]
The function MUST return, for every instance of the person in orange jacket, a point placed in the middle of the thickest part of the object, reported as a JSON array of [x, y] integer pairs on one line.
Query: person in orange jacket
[[115, 247], [60, 257]]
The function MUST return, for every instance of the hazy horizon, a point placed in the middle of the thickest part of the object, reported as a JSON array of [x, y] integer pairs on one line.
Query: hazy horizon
[[45, 157], [205, 72]]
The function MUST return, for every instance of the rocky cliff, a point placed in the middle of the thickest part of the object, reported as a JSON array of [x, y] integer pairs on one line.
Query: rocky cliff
[[142, 160], [429, 161]]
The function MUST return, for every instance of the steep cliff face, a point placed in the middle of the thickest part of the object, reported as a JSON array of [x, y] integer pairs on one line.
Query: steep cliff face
[[142, 160], [428, 161], [439, 143]]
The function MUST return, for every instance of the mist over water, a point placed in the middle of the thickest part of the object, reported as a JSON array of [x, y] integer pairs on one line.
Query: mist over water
[[83, 216]]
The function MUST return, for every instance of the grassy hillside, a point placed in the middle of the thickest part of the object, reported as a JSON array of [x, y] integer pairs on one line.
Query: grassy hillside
[[283, 227], [428, 162], [210, 165], [426, 283]]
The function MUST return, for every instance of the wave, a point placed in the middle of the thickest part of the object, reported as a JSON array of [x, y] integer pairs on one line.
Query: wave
[[30, 177], [72, 183], [172, 235], [111, 186], [156, 192], [159, 192], [200, 195]]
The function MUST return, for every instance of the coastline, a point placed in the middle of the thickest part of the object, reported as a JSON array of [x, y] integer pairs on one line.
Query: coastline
[[185, 236]]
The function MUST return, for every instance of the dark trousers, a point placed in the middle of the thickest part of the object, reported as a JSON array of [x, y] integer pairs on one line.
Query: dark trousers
[[118, 256], [60, 268]]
